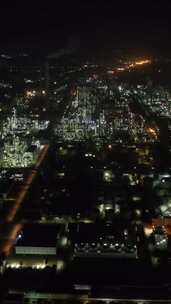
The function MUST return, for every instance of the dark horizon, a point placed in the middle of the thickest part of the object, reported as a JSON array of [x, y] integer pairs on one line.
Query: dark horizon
[[86, 25]]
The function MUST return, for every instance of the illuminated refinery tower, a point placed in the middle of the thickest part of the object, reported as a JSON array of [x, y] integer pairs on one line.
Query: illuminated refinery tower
[[85, 118], [85, 107], [14, 152]]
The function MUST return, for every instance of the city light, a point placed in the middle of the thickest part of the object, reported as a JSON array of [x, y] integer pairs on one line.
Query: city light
[[121, 69], [148, 230], [152, 132], [142, 62], [30, 94], [60, 264], [108, 176], [85, 166]]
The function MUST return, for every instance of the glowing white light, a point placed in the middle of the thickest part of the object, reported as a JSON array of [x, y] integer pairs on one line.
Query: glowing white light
[[60, 265]]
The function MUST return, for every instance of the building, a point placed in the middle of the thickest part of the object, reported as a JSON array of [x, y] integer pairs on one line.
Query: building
[[35, 247]]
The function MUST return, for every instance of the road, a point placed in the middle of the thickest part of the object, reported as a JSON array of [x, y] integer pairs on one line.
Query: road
[[15, 228], [26, 185]]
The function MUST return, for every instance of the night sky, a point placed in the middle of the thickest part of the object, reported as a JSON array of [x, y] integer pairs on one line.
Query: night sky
[[100, 24]]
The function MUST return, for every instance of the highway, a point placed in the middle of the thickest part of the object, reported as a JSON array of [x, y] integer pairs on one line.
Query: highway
[[26, 185], [15, 228]]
